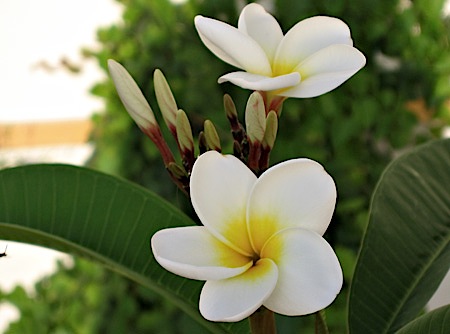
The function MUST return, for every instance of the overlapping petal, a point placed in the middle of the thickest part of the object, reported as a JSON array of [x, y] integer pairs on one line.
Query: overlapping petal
[[261, 27], [194, 253], [295, 193], [259, 82], [220, 186], [233, 46], [325, 70], [306, 38], [236, 298], [309, 276]]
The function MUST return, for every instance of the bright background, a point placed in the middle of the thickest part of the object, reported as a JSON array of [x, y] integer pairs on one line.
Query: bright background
[[34, 37]]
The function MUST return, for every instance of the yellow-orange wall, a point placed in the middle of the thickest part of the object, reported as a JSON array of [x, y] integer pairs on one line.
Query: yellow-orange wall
[[16, 135]]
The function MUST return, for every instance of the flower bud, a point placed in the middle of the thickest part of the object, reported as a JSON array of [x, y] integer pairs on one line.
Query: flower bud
[[230, 108], [185, 140], [131, 96], [166, 101], [211, 136], [177, 171], [184, 132], [270, 133], [237, 130], [255, 118]]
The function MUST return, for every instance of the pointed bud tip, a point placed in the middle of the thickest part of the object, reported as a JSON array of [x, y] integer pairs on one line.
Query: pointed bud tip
[[166, 100], [184, 132], [211, 136], [131, 96], [271, 130]]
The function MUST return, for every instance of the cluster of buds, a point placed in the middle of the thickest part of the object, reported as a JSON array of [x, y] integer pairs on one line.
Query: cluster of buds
[[175, 119], [251, 145]]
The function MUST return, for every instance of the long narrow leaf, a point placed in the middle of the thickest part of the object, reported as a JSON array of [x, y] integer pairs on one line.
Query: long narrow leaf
[[107, 219], [406, 250], [436, 321]]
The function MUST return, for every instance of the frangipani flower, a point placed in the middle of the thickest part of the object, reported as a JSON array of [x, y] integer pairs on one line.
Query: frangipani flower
[[314, 57], [261, 243]]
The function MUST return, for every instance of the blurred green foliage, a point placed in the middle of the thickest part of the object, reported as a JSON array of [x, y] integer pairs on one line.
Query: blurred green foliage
[[401, 98], [85, 298]]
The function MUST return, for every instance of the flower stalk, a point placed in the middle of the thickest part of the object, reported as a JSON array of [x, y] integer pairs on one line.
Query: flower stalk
[[321, 326], [263, 322]]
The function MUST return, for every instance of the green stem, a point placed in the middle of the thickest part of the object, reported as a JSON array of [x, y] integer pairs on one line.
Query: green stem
[[321, 323], [263, 322]]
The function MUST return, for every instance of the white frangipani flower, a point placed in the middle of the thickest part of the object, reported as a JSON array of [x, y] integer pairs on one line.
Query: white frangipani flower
[[261, 243], [314, 57]]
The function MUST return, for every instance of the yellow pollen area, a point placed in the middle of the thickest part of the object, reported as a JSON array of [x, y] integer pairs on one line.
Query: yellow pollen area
[[235, 234], [261, 228], [258, 270], [282, 68], [229, 257]]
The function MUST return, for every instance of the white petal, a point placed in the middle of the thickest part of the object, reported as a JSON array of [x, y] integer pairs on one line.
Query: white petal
[[194, 253], [260, 82], [327, 69], [309, 274], [295, 193], [262, 27], [220, 186], [306, 38], [232, 46], [236, 298]]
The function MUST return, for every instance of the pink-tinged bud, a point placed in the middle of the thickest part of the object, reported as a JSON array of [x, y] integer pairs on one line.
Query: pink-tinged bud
[[230, 108], [269, 140], [255, 118], [270, 133], [131, 96]]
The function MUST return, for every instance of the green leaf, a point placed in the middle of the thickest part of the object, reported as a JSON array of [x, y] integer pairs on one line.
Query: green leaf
[[406, 249], [100, 217], [436, 321]]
